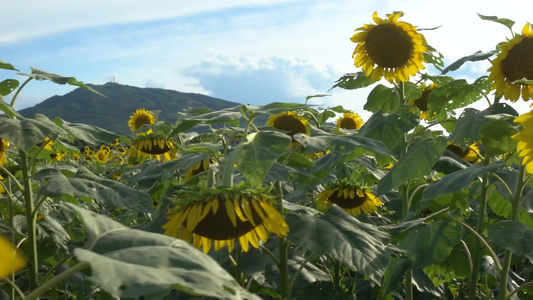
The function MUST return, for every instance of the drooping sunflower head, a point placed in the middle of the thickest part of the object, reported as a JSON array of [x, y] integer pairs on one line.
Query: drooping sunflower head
[[223, 215], [290, 122], [514, 62], [141, 117], [352, 199], [349, 120], [159, 147], [200, 167], [390, 48], [470, 154], [422, 101], [525, 140]]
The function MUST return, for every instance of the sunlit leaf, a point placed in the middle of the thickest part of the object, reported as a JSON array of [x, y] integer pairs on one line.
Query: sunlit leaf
[[360, 246], [457, 180], [434, 57], [418, 160], [352, 81], [456, 94], [7, 86], [388, 128], [513, 236], [8, 109], [496, 137], [43, 75], [474, 57], [87, 184], [507, 22], [424, 284], [7, 66], [382, 98], [87, 133], [27, 132], [131, 263]]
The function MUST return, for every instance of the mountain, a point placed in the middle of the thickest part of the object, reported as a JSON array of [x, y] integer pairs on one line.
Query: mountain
[[113, 111]]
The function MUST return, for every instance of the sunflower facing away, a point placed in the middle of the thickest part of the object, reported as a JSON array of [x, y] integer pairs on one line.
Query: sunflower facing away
[[349, 120], [351, 199], [513, 63], [139, 118], [161, 148], [200, 167], [469, 154], [222, 215], [390, 48], [525, 140], [290, 122], [422, 101]]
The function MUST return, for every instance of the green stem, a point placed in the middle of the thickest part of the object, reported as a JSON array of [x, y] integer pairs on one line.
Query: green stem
[[480, 227], [18, 91], [504, 273], [284, 268], [56, 280], [11, 203], [295, 276], [33, 261], [14, 287], [523, 286]]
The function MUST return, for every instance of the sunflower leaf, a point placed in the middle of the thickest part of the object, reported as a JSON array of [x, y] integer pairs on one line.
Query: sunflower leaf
[[382, 98], [358, 245], [457, 180], [43, 75], [477, 56], [353, 81], [8, 109], [513, 236], [434, 57], [523, 81], [7, 66], [387, 128], [87, 184], [496, 137], [131, 263], [27, 132], [418, 160], [87, 133], [507, 22], [456, 94], [7, 86]]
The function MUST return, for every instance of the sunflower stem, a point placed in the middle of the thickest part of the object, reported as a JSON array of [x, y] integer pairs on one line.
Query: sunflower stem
[[284, 268], [476, 253], [504, 273], [18, 91], [56, 280], [30, 222]]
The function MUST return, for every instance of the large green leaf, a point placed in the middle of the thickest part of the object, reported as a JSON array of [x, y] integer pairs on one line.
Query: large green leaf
[[456, 94], [43, 75], [348, 143], [469, 124], [87, 133], [388, 128], [87, 184], [382, 98], [398, 228], [504, 21], [457, 180], [257, 155], [394, 274], [352, 81], [8, 109], [279, 107], [432, 243], [513, 236], [474, 57], [7, 66], [7, 86], [131, 263], [496, 137], [360, 246], [418, 160], [27, 132]]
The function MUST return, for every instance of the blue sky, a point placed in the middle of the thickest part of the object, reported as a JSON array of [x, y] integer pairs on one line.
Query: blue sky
[[240, 50]]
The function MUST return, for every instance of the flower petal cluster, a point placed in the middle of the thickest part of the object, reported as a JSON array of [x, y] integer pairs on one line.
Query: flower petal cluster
[[525, 140]]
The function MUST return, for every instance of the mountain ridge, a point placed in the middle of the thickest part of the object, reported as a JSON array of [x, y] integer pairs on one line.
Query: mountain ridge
[[113, 111]]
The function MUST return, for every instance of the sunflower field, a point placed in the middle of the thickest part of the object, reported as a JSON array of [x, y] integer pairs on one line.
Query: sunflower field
[[419, 201]]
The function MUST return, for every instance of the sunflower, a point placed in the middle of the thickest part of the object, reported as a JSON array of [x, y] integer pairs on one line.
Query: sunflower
[[161, 148], [102, 156], [349, 120], [139, 118], [200, 167], [222, 215], [470, 154], [525, 140], [513, 63], [390, 48], [422, 101], [290, 122], [350, 198], [12, 260], [4, 146], [114, 143], [122, 150]]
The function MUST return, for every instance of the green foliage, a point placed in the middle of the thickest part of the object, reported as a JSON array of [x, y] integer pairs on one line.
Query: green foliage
[[352, 81]]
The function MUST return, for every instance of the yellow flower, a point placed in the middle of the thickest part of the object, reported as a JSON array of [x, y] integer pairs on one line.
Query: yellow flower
[[202, 166], [4, 146], [161, 148], [102, 156], [139, 118], [11, 258], [422, 101], [114, 143], [223, 215], [470, 154], [513, 63], [122, 150], [351, 199], [290, 122], [390, 48], [349, 120], [525, 140]]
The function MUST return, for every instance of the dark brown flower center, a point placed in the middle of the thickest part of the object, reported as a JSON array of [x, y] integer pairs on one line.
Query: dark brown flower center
[[156, 149], [458, 151], [389, 46], [519, 61], [219, 227], [348, 123], [291, 124], [141, 120], [422, 102], [348, 202]]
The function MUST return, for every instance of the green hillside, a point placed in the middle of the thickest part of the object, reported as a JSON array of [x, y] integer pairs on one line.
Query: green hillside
[[113, 112]]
